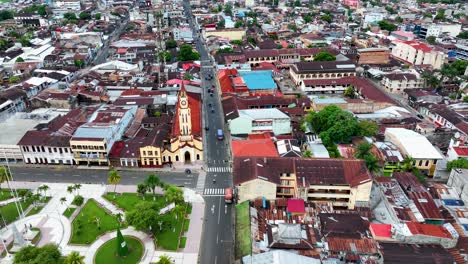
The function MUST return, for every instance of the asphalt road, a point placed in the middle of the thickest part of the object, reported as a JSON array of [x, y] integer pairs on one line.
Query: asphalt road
[[218, 236], [73, 175]]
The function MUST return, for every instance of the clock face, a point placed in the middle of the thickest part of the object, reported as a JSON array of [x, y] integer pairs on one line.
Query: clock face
[[183, 102]]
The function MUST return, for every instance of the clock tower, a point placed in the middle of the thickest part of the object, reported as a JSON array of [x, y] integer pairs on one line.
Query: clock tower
[[185, 120]]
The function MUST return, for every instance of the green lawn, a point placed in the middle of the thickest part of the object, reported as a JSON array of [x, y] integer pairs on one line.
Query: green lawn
[[107, 252], [170, 240], [126, 201], [85, 230], [189, 209], [243, 242], [183, 241], [69, 211], [35, 210], [9, 211], [5, 194]]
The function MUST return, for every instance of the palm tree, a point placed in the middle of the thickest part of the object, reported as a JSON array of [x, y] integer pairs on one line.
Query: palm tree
[[165, 259], [77, 187], [152, 181], [43, 188], [141, 189], [119, 217], [307, 154], [70, 189], [407, 164], [74, 258], [63, 200], [114, 178]]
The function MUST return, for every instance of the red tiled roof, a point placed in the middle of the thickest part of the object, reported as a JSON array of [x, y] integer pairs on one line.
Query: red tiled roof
[[428, 230], [381, 230], [225, 81], [254, 147], [195, 113], [418, 45], [461, 151], [296, 206]]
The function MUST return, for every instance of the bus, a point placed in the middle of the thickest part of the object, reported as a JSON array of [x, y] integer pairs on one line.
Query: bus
[[228, 195], [220, 134]]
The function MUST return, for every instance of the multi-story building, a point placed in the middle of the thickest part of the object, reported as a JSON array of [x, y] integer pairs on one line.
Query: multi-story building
[[251, 121], [398, 82], [319, 70], [373, 56], [435, 30], [11, 101], [416, 146], [92, 141], [67, 5], [459, 180], [345, 183], [417, 53], [51, 145], [183, 34], [461, 51]]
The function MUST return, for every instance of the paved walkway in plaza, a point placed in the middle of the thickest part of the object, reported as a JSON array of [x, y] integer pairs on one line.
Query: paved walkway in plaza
[[56, 228]]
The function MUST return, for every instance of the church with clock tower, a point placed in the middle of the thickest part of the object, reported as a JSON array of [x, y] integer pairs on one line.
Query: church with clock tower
[[185, 144]]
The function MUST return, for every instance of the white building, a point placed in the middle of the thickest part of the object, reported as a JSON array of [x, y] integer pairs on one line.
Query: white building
[[372, 18], [416, 146], [16, 126], [183, 34], [458, 179], [251, 121], [435, 30], [417, 53], [67, 5], [249, 3], [398, 82]]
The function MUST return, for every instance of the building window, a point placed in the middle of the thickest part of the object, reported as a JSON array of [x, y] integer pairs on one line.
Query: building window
[[198, 156], [150, 153], [427, 163], [176, 158], [144, 153]]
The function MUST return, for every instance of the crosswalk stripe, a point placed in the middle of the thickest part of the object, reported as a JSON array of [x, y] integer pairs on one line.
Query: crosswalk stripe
[[219, 169], [213, 192]]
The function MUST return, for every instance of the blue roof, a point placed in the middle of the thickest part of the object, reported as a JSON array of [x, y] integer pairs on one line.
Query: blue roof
[[258, 80], [453, 202]]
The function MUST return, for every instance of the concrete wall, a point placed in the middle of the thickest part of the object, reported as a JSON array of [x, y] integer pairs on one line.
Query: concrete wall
[[256, 188]]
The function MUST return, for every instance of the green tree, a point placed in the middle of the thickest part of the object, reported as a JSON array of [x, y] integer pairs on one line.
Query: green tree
[[97, 16], [372, 163], [324, 55], [367, 128], [165, 55], [307, 154], [459, 67], [165, 259], [19, 59], [142, 189], [465, 99], [431, 40], [171, 44], [349, 92], [6, 14], [326, 18], [463, 35], [114, 178], [307, 18], [228, 9], [236, 42], [145, 216], [74, 258], [238, 24], [186, 53], [49, 254], [174, 194], [385, 25], [398, 19], [440, 14], [407, 164], [152, 181], [79, 63], [363, 150], [461, 163], [85, 16], [221, 24], [70, 16], [14, 79]]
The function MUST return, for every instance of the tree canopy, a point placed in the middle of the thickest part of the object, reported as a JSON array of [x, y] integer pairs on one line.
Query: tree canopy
[[170, 44], [186, 53], [85, 16], [324, 55], [385, 25], [145, 216], [458, 163], [334, 125], [49, 254], [463, 35], [6, 14]]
